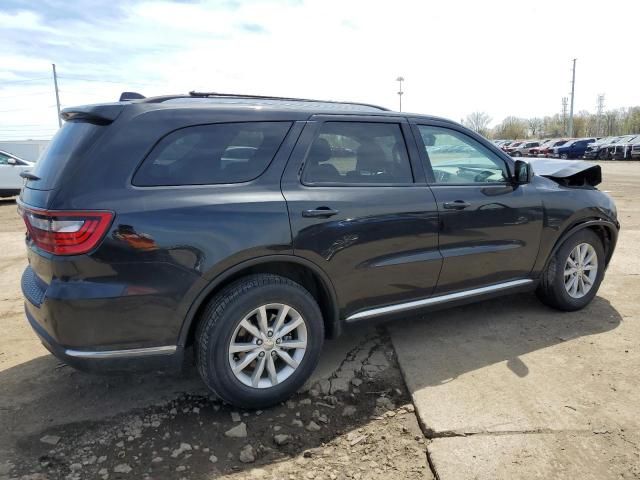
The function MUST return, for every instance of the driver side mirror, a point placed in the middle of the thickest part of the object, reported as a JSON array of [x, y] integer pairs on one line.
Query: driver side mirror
[[523, 172], [12, 161]]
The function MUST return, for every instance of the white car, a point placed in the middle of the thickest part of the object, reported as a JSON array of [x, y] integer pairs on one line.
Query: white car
[[10, 169]]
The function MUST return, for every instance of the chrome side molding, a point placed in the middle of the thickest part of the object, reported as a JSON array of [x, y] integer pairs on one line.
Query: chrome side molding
[[401, 307], [129, 353]]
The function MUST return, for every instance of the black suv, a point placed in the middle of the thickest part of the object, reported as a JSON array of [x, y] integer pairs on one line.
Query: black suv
[[252, 228]]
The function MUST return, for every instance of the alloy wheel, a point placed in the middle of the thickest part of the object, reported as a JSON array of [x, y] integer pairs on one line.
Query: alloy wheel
[[268, 345], [580, 270]]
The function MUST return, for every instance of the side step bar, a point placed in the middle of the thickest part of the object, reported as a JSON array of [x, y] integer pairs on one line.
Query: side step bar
[[129, 353], [450, 297]]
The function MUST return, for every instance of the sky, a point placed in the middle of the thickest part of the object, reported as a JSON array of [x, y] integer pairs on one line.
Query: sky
[[457, 56]]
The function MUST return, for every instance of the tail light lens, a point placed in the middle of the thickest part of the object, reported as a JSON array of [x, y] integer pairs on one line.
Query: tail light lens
[[65, 232]]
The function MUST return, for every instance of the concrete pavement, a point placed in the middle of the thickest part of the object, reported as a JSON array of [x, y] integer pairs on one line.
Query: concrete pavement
[[512, 389]]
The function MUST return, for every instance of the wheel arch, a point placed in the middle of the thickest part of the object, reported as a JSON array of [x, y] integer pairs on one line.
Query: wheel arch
[[298, 269], [606, 230]]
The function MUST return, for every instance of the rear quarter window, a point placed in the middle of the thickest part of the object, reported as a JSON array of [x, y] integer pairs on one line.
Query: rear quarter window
[[212, 154], [66, 148]]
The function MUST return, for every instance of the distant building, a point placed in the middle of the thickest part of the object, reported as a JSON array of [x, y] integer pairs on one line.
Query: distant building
[[27, 149]]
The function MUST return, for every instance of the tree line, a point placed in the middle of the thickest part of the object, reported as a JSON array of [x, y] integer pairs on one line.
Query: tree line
[[622, 121]]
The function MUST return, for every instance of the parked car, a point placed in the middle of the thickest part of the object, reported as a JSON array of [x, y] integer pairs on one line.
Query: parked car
[[253, 261], [621, 150], [574, 148], [538, 151], [511, 145], [547, 151], [533, 152], [593, 150], [11, 167], [635, 148], [522, 150]]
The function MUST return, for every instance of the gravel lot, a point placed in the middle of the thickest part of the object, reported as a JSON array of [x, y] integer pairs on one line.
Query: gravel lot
[[358, 421]]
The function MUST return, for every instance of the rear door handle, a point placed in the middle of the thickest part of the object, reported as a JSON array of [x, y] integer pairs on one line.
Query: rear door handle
[[457, 205], [320, 212]]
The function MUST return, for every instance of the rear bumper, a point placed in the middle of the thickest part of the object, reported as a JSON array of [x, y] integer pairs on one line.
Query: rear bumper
[[166, 358], [94, 333]]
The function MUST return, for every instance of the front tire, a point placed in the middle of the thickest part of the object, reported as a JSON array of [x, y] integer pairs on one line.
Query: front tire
[[574, 273], [259, 340]]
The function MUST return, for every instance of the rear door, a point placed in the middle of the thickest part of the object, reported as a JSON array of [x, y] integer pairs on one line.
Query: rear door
[[489, 228], [360, 209]]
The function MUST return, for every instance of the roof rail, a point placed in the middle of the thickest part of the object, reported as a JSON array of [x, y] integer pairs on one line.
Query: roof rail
[[194, 94]]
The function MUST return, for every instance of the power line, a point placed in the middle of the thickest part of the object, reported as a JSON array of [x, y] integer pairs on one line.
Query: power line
[[20, 125], [118, 82], [45, 129], [26, 80], [27, 109], [26, 94]]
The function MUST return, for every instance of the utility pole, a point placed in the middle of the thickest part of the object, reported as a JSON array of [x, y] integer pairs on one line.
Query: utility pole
[[564, 114], [573, 87], [400, 92], [599, 109], [55, 84]]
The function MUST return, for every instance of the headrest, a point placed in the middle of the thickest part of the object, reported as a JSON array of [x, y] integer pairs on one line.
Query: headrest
[[320, 151]]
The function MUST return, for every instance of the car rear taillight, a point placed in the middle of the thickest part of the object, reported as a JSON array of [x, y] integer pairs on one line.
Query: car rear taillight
[[65, 232]]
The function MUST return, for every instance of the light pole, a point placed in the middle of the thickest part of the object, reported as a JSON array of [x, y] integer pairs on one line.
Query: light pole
[[573, 88], [400, 92]]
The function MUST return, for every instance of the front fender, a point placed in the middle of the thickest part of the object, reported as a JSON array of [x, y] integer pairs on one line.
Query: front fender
[[612, 227]]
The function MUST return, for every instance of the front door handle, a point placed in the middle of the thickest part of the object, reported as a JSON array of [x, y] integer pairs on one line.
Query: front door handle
[[320, 212], [457, 205]]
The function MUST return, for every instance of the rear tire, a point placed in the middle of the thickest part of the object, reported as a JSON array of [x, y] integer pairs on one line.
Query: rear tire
[[269, 377], [555, 288]]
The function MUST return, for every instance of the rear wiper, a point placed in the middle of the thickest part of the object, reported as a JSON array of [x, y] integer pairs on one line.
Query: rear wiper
[[29, 176]]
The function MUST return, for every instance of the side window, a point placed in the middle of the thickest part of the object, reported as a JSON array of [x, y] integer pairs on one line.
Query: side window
[[4, 160], [212, 154], [358, 152], [459, 159]]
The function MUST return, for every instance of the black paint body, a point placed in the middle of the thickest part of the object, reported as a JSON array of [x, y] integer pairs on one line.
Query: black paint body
[[387, 244]]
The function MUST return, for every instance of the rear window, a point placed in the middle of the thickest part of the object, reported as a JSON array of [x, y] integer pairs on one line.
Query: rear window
[[212, 154], [71, 141]]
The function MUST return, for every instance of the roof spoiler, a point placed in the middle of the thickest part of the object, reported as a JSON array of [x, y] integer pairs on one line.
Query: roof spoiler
[[99, 114]]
